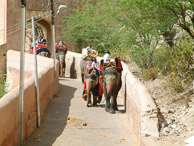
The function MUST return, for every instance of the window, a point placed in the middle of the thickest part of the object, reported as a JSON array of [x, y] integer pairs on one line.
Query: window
[[3, 21]]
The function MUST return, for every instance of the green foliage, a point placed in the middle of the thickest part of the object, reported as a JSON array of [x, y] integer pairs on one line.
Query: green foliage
[[2, 89], [91, 25], [161, 59], [180, 66], [150, 74], [148, 31]]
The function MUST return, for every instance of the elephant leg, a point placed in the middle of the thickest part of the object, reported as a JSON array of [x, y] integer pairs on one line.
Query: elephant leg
[[115, 104], [115, 101], [94, 101], [112, 105], [107, 106], [89, 103], [64, 67], [61, 69], [95, 92], [82, 78]]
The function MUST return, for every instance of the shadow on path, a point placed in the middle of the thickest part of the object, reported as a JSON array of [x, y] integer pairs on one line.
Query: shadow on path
[[54, 119]]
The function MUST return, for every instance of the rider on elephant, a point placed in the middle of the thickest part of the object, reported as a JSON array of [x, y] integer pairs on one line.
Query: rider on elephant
[[105, 62], [89, 71], [89, 47], [61, 50], [106, 57], [62, 46], [95, 67], [89, 52]]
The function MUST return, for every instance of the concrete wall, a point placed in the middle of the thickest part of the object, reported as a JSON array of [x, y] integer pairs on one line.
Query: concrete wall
[[9, 104], [140, 107], [73, 65], [141, 110]]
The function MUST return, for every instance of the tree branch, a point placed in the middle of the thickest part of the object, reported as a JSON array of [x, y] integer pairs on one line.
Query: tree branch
[[187, 29]]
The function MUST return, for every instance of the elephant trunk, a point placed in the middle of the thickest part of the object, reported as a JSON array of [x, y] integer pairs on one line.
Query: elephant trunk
[[108, 90], [90, 81], [88, 85]]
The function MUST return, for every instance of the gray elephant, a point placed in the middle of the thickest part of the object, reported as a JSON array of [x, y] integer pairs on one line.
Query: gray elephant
[[111, 84], [85, 64], [91, 86], [62, 50]]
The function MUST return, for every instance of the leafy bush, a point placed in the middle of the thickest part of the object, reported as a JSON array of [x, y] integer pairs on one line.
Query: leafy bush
[[2, 89], [161, 59], [150, 74], [180, 71], [142, 57]]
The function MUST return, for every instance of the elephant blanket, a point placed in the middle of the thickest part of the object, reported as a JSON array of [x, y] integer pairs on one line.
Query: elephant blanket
[[41, 50], [100, 92]]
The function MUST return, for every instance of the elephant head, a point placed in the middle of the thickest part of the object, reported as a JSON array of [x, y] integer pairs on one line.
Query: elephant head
[[111, 85], [85, 64]]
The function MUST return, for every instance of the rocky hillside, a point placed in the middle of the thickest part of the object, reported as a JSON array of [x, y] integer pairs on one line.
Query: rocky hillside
[[176, 120]]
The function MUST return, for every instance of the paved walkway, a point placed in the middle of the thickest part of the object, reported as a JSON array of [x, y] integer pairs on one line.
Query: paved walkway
[[66, 115]]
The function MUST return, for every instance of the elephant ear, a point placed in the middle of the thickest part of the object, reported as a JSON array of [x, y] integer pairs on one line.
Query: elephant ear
[[104, 81]]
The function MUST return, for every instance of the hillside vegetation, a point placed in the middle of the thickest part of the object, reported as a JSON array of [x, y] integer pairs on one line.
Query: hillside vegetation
[[2, 89]]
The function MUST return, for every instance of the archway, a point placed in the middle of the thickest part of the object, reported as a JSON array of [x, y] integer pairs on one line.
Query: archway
[[42, 29], [46, 26]]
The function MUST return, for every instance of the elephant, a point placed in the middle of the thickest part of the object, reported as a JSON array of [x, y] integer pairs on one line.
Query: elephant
[[92, 86], [61, 58], [85, 64], [111, 84]]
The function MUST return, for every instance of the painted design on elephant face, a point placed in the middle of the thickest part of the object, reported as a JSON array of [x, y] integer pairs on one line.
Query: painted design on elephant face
[[61, 58], [110, 78], [88, 83], [109, 87]]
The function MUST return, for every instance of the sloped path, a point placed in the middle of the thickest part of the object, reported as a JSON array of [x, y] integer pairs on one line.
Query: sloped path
[[66, 115]]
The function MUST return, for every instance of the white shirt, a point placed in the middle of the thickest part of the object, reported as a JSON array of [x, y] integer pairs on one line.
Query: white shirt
[[106, 58], [95, 64], [61, 43], [89, 48], [84, 52]]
